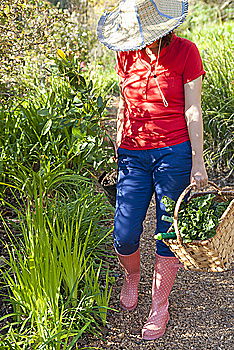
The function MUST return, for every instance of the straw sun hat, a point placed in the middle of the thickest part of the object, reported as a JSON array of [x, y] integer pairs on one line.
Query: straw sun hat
[[133, 24]]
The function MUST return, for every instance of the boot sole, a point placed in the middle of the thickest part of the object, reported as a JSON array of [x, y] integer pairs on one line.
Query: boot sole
[[157, 335], [125, 308], [153, 337]]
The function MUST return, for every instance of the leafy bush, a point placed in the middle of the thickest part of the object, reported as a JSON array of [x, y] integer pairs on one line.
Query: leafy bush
[[60, 126], [59, 285], [31, 32]]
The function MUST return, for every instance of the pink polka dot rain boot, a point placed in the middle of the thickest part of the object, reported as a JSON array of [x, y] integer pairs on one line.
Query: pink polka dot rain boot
[[129, 291], [163, 280]]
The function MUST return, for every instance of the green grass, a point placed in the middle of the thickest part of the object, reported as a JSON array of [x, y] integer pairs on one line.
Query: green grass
[[58, 280], [216, 46], [58, 285]]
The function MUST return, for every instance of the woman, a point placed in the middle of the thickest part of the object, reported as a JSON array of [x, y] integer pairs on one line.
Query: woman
[[159, 136]]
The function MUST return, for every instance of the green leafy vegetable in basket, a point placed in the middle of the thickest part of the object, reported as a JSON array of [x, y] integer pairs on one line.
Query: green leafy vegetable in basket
[[198, 218]]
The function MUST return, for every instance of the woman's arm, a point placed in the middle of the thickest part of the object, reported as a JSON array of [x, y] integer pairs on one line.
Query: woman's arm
[[193, 115]]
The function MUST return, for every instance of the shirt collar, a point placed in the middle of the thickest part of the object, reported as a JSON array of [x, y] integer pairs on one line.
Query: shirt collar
[[143, 55]]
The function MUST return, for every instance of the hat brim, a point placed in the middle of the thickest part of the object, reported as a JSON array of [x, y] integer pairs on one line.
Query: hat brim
[[129, 27]]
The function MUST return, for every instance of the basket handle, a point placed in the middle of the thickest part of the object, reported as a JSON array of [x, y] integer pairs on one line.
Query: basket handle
[[178, 203]]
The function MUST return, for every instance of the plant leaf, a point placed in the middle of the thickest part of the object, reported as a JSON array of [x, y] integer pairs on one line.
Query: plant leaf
[[44, 112], [61, 54], [46, 127], [99, 101]]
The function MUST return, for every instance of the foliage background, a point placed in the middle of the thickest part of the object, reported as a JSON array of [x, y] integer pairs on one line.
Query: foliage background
[[31, 32]]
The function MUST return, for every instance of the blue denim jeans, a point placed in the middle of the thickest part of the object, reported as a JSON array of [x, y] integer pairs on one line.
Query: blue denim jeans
[[162, 171]]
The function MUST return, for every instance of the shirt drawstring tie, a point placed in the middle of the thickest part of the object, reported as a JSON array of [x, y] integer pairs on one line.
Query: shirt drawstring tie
[[155, 76]]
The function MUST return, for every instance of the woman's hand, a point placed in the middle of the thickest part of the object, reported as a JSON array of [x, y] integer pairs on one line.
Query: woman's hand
[[199, 175]]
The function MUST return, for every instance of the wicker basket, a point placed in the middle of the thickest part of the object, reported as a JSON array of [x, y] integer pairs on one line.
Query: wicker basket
[[214, 254]]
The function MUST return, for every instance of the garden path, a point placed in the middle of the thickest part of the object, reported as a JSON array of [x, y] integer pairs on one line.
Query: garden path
[[201, 307]]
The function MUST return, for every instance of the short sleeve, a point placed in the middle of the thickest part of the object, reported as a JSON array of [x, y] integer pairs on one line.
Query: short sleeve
[[193, 65]]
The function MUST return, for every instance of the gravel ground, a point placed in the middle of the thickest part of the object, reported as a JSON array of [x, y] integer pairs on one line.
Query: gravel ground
[[201, 308], [201, 305]]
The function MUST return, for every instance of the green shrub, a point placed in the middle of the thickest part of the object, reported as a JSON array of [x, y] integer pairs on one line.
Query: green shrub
[[58, 283], [31, 32], [59, 126], [58, 286]]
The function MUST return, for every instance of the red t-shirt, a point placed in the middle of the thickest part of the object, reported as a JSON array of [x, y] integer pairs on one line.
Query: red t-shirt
[[147, 122]]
